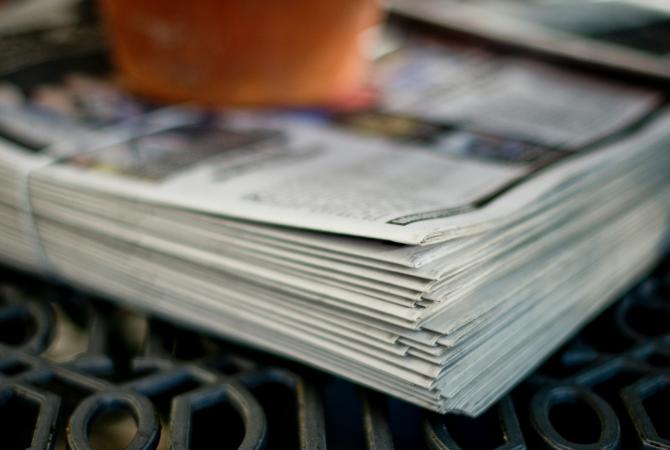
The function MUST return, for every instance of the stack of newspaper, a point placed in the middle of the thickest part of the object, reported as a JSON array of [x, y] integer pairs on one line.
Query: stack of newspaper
[[436, 248]]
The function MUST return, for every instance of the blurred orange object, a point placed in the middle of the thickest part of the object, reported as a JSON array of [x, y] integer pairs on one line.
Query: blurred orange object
[[241, 52]]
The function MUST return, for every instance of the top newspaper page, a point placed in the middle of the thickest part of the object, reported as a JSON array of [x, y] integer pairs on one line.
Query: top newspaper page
[[462, 139]]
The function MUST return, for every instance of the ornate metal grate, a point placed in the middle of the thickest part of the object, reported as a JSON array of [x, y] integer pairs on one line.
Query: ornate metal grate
[[77, 372]]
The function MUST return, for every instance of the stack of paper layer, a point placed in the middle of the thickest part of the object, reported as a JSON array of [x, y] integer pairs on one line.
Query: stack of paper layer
[[493, 207]]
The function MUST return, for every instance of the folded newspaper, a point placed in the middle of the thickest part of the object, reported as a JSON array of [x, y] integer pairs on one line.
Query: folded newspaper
[[437, 248]]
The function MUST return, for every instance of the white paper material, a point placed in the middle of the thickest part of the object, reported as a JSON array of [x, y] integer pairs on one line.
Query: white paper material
[[436, 249]]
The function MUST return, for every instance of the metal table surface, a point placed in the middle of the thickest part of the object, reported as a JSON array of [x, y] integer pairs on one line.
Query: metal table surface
[[78, 372]]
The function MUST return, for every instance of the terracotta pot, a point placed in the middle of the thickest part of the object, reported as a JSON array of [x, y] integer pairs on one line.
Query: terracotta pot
[[241, 52]]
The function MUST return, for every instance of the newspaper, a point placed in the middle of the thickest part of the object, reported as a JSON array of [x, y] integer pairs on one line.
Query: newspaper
[[622, 35], [290, 172], [434, 256], [509, 96]]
